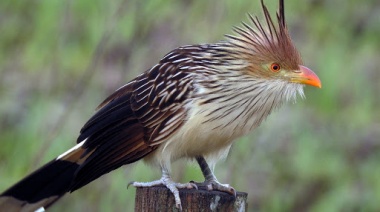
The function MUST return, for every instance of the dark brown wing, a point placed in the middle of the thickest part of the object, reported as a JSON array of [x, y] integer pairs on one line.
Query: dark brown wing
[[134, 120]]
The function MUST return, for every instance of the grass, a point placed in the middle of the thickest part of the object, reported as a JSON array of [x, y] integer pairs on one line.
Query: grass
[[59, 59]]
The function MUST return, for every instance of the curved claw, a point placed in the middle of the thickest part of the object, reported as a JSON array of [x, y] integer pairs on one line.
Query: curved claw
[[130, 183], [232, 191], [193, 185], [179, 206]]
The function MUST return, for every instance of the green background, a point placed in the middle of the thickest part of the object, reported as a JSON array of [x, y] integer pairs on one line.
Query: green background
[[60, 59]]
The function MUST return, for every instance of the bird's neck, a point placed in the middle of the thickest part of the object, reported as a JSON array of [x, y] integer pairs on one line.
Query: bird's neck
[[239, 103]]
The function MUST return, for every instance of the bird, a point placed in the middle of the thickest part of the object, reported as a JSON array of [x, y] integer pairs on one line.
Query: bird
[[193, 104]]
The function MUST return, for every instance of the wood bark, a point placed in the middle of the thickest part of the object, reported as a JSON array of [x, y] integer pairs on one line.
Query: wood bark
[[159, 198]]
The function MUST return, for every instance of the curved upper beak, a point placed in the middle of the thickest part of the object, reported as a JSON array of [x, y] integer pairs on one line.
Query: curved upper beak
[[306, 76]]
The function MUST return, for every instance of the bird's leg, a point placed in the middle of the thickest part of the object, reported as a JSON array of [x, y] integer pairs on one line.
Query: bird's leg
[[210, 180], [167, 181]]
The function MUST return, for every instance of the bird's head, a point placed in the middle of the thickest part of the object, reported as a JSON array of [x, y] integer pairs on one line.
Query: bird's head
[[269, 51]]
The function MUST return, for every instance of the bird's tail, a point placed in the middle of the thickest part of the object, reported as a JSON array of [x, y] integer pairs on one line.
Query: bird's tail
[[44, 186]]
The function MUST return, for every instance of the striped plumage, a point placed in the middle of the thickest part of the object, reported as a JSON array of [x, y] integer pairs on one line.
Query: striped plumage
[[193, 104]]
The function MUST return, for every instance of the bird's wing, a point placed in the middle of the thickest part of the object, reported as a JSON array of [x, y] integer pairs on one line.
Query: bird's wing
[[134, 120]]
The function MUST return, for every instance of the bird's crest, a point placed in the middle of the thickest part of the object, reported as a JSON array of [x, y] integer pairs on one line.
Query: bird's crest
[[267, 42]]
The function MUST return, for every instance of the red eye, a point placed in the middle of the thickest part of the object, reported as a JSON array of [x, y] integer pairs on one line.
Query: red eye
[[275, 67]]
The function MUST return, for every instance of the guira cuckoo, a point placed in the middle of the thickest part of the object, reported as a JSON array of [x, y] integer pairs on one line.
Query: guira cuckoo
[[193, 103]]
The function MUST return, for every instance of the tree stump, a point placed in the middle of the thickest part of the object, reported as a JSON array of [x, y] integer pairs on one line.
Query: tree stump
[[159, 198]]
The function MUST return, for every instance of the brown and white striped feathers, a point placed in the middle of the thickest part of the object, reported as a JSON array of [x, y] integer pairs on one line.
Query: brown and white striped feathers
[[195, 101]]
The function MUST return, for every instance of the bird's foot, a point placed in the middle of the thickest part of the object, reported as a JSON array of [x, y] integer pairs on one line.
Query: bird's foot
[[214, 185], [170, 184]]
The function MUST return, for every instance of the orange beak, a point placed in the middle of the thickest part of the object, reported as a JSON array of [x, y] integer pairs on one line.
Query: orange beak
[[306, 76]]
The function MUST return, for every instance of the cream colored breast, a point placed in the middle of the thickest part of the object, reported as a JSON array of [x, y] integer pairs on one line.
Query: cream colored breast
[[211, 128]]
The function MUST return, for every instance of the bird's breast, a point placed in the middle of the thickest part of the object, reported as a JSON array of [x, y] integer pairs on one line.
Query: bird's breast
[[214, 121], [201, 135]]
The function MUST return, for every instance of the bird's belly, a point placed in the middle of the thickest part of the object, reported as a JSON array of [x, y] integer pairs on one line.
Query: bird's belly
[[199, 137]]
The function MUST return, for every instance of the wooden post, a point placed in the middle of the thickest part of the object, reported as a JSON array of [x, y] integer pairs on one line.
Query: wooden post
[[159, 198]]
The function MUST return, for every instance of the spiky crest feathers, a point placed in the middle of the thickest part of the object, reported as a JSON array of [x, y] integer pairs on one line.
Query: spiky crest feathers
[[267, 42]]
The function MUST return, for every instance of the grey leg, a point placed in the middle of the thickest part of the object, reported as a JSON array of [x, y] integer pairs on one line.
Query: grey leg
[[210, 180]]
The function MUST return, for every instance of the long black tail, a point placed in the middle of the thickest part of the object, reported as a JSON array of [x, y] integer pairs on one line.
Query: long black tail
[[44, 186]]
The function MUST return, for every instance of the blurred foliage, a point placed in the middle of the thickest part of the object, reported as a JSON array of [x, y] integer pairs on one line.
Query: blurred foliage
[[59, 59]]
